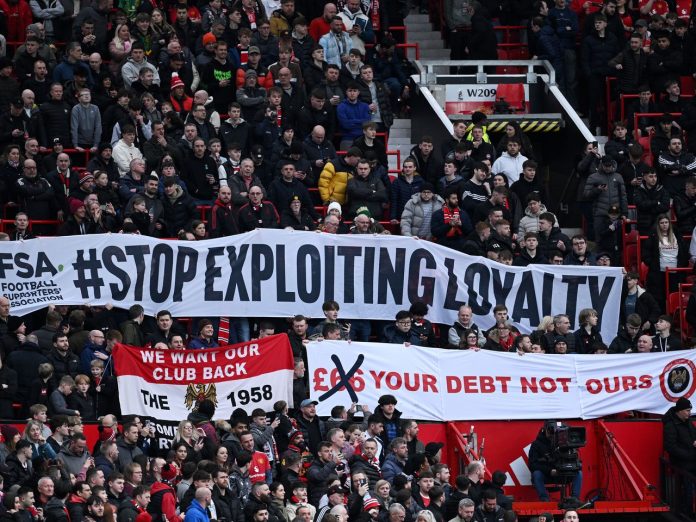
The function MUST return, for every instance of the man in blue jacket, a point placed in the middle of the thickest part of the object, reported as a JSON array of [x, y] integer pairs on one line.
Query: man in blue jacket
[[197, 511]]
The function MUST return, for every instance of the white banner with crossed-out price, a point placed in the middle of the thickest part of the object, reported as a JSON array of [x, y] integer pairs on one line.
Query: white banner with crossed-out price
[[169, 384], [446, 385]]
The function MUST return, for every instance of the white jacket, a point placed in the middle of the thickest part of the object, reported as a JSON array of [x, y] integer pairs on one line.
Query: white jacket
[[123, 155], [511, 167]]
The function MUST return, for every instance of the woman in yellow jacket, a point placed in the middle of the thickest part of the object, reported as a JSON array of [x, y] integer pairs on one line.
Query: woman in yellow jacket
[[333, 180]]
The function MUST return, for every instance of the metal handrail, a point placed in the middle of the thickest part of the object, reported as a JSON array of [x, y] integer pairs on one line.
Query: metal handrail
[[426, 67]]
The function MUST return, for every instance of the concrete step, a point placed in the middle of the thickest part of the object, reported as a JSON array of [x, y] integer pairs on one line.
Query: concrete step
[[399, 142], [399, 133], [417, 18], [401, 124], [430, 44], [435, 54], [418, 26], [422, 38], [417, 36]]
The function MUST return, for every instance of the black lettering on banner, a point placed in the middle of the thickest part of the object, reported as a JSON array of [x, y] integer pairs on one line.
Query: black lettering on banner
[[344, 378], [484, 281], [369, 275], [599, 297], [44, 265], [254, 395], [526, 295], [23, 267], [451, 302], [258, 274], [186, 263], [312, 253], [161, 252], [87, 275], [547, 294], [349, 253], [212, 272], [109, 254], [151, 400], [5, 264], [501, 289], [572, 297], [138, 253], [415, 281], [329, 271], [236, 275], [391, 276], [282, 293]]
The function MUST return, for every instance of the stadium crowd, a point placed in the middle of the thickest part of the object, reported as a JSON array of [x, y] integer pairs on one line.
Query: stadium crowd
[[271, 114]]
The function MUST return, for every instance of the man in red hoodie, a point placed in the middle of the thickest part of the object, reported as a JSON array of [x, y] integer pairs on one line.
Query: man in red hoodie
[[163, 496], [77, 501]]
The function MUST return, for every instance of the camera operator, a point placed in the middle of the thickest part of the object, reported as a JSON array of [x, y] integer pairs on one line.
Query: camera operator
[[543, 463]]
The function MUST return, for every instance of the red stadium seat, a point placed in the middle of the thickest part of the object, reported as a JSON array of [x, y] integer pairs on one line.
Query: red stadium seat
[[513, 95]]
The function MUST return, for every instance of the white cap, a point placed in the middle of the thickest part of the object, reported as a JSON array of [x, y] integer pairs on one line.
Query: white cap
[[334, 205]]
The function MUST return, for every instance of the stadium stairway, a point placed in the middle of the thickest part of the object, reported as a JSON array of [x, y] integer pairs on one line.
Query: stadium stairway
[[420, 29], [400, 139]]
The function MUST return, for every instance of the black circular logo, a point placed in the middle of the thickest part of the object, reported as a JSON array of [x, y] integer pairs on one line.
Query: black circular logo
[[678, 379]]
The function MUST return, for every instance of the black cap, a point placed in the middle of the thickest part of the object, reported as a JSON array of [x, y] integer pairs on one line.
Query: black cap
[[682, 404], [177, 56], [431, 448], [428, 186], [17, 102]]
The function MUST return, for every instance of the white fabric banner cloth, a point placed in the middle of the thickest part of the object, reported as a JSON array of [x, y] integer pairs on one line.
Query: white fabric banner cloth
[[276, 273], [444, 385]]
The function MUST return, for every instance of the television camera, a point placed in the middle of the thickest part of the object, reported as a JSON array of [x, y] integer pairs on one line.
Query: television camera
[[565, 442]]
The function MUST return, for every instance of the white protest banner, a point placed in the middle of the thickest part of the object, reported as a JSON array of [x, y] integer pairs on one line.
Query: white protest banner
[[276, 273], [655, 381], [169, 384], [444, 385]]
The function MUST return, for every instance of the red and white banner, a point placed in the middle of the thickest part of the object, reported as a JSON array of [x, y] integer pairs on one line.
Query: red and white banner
[[169, 384], [445, 385]]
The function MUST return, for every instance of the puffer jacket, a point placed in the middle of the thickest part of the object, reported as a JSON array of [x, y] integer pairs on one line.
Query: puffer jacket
[[412, 216], [603, 199], [401, 193], [530, 222], [333, 181]]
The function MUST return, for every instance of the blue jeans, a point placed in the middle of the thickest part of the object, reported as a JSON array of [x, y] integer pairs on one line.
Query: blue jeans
[[239, 330], [539, 481], [360, 330]]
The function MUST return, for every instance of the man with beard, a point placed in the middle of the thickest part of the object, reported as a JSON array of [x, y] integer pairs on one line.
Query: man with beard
[[450, 225]]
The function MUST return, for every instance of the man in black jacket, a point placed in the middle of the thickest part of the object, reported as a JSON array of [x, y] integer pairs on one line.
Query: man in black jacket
[[56, 116], [227, 505], [679, 435]]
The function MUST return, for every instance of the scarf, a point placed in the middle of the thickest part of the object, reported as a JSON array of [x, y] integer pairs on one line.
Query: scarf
[[251, 15], [449, 215], [374, 15], [243, 54]]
